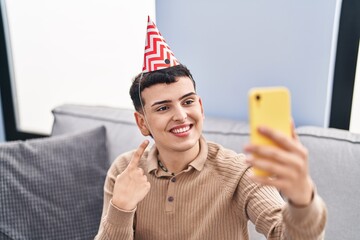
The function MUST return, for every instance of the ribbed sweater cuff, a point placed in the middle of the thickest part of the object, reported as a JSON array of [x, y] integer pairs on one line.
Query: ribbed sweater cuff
[[119, 217], [305, 216]]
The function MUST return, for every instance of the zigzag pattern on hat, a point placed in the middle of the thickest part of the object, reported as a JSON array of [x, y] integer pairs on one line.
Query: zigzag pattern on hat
[[157, 52]]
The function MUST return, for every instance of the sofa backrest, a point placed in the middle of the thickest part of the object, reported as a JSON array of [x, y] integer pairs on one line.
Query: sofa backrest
[[121, 130], [334, 155], [123, 134]]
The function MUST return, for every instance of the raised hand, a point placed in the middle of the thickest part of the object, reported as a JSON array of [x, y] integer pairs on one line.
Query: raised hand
[[288, 166], [131, 186]]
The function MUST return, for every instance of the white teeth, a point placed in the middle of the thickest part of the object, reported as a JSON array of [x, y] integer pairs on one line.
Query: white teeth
[[181, 130]]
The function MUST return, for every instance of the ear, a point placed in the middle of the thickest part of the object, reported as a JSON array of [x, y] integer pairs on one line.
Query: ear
[[202, 108], [141, 123]]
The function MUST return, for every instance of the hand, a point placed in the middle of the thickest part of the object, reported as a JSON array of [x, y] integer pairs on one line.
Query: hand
[[287, 165], [131, 186]]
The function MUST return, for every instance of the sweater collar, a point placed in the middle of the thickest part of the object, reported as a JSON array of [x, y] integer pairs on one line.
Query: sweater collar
[[198, 163]]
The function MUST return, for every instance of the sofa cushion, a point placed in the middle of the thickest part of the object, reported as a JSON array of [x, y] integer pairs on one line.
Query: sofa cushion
[[52, 188], [334, 158]]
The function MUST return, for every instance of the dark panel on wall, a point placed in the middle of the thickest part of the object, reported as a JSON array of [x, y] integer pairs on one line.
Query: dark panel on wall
[[345, 66]]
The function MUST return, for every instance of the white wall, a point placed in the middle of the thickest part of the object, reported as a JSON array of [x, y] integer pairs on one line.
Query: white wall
[[73, 51], [231, 46]]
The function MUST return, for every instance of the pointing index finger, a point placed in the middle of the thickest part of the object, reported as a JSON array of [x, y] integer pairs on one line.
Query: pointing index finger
[[135, 159]]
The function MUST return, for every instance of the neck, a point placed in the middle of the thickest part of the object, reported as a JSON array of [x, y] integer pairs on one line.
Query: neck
[[175, 162]]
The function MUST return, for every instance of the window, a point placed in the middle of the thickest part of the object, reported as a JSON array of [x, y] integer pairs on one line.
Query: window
[[66, 51]]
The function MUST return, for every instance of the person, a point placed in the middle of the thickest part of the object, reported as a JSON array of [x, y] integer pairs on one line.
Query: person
[[185, 187]]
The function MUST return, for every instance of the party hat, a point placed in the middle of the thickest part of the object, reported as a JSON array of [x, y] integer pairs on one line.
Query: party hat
[[157, 52]]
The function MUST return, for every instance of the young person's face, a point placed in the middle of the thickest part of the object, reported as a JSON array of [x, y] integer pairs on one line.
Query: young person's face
[[174, 113]]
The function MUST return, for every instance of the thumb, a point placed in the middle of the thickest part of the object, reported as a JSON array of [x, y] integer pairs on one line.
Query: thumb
[[135, 159]]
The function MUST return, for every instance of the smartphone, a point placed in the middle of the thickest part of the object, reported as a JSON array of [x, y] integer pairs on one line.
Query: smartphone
[[271, 107]]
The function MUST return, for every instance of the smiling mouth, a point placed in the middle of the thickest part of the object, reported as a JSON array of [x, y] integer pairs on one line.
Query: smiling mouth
[[181, 129]]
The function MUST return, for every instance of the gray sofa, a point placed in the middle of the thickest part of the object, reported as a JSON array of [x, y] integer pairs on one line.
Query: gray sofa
[[86, 139]]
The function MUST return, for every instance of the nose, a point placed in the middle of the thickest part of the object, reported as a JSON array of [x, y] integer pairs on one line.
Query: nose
[[180, 114]]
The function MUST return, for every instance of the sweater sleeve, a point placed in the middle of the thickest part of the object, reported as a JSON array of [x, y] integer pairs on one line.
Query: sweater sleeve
[[277, 219], [306, 222], [115, 223]]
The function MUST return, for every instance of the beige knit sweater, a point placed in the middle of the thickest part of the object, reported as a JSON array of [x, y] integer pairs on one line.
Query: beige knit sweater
[[212, 199]]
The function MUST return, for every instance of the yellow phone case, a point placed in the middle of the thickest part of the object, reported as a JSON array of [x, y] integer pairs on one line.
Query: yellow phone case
[[269, 107]]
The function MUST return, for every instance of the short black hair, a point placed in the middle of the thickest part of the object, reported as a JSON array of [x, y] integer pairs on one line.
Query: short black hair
[[145, 80]]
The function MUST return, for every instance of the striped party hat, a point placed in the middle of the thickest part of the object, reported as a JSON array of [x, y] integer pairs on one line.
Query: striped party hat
[[157, 52]]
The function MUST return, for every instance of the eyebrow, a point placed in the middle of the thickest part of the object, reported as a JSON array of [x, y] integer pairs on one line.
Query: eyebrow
[[168, 101]]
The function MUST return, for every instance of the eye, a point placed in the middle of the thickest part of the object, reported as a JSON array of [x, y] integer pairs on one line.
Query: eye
[[189, 101], [162, 108]]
